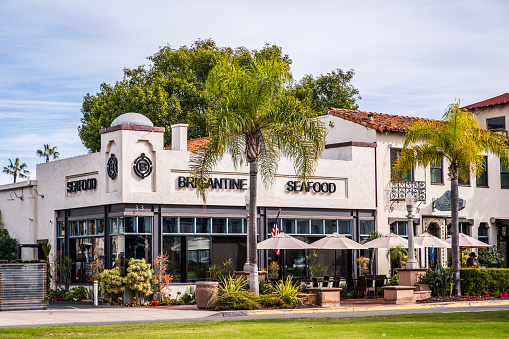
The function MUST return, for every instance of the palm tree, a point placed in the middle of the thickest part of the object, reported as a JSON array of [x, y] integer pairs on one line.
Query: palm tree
[[255, 120], [48, 152], [462, 142], [16, 169]]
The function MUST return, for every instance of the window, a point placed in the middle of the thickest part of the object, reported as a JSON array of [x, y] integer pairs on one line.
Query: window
[[463, 182], [464, 227], [365, 227], [399, 228], [303, 226], [331, 226], [496, 123], [482, 181], [316, 226], [345, 227], [482, 232], [504, 176], [409, 176], [437, 173]]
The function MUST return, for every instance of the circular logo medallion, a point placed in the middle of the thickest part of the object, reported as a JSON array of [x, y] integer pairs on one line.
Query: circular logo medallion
[[142, 166], [112, 166]]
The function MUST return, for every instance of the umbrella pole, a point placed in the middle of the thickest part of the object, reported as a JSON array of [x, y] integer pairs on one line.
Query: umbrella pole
[[335, 264], [283, 264]]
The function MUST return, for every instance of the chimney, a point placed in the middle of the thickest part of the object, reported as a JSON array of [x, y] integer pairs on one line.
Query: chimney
[[179, 137]]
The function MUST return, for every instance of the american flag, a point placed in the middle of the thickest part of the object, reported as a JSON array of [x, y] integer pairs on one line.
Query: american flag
[[275, 230]]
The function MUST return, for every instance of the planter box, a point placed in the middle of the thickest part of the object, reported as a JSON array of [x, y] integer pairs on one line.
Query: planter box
[[206, 293], [326, 296], [399, 294], [23, 286]]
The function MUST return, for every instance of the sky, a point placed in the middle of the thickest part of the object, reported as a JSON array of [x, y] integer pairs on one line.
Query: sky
[[410, 58]]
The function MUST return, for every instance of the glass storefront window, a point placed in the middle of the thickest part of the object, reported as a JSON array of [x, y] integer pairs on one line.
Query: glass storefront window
[[303, 226], [365, 227], [202, 225], [170, 225], [60, 229], [316, 226], [235, 225], [173, 247], [345, 227], [218, 225], [331, 226], [129, 225], [288, 226], [82, 227], [74, 228], [83, 252], [144, 224], [186, 225], [198, 257], [91, 227], [99, 226]]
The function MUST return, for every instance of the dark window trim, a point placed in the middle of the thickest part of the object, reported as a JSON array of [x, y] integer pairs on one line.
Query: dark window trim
[[485, 171]]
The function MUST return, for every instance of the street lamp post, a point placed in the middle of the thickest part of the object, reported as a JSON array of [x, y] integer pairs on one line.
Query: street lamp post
[[409, 200]]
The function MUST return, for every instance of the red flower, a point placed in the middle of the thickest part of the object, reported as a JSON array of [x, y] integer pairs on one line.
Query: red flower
[[486, 295], [468, 297]]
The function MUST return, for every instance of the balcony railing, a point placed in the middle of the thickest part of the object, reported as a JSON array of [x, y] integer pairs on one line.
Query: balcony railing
[[399, 190]]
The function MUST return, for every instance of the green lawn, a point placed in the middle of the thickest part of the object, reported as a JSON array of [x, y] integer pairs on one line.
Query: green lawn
[[491, 324]]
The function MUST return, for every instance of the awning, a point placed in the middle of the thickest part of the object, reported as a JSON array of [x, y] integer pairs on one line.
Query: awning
[[462, 220], [417, 221], [504, 222]]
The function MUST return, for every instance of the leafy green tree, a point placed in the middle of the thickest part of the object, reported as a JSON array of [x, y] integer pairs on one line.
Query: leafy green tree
[[48, 152], [330, 90], [8, 246], [172, 89], [16, 169], [460, 140], [254, 119]]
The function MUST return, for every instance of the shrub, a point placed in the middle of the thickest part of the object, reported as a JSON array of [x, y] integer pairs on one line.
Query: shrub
[[111, 281], [8, 247], [243, 300], [483, 281], [287, 291], [439, 280], [265, 287], [53, 294], [140, 278], [394, 280], [270, 300], [230, 284], [76, 294], [490, 255], [220, 272]]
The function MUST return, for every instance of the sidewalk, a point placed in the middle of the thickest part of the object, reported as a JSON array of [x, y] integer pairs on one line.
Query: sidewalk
[[83, 313]]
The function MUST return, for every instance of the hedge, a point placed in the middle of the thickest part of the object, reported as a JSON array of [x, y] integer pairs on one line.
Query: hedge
[[481, 281]]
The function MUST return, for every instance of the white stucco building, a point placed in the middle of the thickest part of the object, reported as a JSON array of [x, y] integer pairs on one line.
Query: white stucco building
[[134, 198]]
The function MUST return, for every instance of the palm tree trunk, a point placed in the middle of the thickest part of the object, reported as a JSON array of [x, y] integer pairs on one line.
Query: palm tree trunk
[[252, 253], [455, 229]]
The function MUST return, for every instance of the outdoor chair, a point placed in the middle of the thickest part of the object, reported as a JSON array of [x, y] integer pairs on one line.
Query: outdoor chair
[[315, 282], [326, 280], [350, 285], [364, 289], [379, 283]]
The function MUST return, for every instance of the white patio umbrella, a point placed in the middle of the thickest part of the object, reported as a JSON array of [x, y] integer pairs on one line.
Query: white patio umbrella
[[389, 241], [335, 242], [468, 242], [428, 240], [283, 241]]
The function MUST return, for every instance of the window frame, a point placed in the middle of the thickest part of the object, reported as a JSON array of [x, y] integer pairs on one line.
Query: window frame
[[434, 168], [394, 153], [496, 128], [504, 173], [484, 174]]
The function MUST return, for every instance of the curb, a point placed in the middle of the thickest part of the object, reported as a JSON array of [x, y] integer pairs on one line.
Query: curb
[[341, 309]]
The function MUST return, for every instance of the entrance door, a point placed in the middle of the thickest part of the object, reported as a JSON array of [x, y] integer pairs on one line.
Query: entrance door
[[434, 230]]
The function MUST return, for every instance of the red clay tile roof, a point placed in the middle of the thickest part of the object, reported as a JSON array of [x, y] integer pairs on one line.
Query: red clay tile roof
[[378, 121], [192, 145], [501, 99]]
